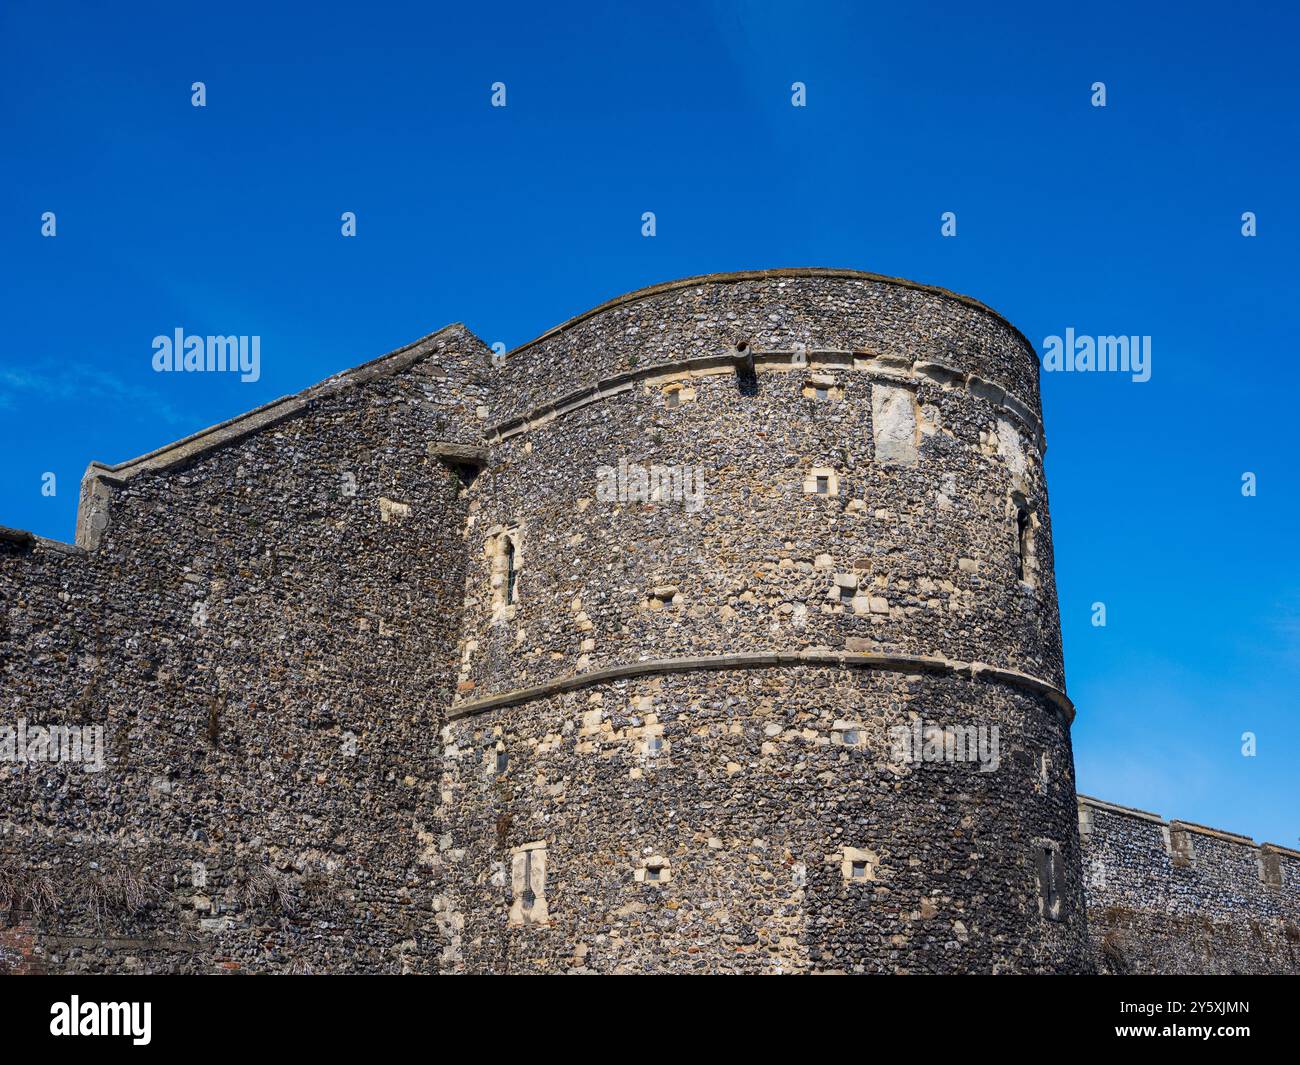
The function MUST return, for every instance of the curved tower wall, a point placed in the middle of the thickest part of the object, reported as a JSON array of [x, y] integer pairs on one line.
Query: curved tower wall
[[679, 735]]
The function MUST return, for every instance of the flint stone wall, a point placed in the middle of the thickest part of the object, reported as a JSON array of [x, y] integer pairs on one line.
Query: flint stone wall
[[860, 486], [750, 799], [1169, 897], [905, 559], [389, 684], [268, 655]]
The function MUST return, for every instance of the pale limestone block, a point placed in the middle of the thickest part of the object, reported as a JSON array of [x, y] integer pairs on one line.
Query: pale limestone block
[[391, 510], [1011, 448], [528, 874], [893, 423]]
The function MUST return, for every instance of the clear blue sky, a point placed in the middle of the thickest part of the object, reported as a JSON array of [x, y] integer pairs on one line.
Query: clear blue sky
[[1121, 220]]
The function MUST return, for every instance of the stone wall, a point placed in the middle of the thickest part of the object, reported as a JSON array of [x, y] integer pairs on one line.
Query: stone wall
[[912, 554], [594, 658], [262, 619], [703, 318], [752, 791], [866, 539], [1174, 897]]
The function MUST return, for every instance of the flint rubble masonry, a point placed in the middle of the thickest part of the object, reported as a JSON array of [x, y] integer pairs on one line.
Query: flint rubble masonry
[[514, 731]]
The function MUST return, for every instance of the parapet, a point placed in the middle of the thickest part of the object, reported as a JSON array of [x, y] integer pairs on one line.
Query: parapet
[[1169, 896], [1087, 803], [1219, 862], [22, 540], [736, 276]]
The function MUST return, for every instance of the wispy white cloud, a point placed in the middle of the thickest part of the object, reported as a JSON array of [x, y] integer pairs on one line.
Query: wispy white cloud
[[1286, 630], [79, 382]]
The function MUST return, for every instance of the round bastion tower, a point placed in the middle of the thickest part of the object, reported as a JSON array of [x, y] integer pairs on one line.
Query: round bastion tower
[[761, 661]]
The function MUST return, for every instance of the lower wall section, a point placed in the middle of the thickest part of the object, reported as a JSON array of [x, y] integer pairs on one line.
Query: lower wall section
[[760, 820], [763, 820], [19, 955], [102, 906], [1173, 897]]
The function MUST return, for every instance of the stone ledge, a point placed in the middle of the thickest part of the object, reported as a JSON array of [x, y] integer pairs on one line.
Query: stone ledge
[[21, 537], [468, 454], [772, 361], [1115, 808], [24, 539], [842, 659], [1215, 833]]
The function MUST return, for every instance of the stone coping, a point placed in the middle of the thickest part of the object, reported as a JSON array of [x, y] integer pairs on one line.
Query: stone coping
[[1216, 833], [241, 425], [30, 541], [780, 360], [454, 452], [731, 278], [1115, 808], [841, 659], [1189, 826], [92, 516]]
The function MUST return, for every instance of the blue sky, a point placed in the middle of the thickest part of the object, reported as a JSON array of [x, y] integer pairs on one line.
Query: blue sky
[[1117, 220]]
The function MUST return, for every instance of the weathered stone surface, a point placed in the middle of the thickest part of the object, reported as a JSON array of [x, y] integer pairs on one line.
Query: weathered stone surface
[[818, 533], [389, 684], [893, 418], [1176, 898], [268, 798]]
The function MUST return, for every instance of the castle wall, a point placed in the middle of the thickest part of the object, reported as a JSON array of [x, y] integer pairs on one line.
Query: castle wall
[[265, 629], [861, 486], [596, 658], [751, 803], [1172, 897], [912, 558], [702, 317]]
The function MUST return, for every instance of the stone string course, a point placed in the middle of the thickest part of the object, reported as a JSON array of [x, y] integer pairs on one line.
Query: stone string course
[[392, 682]]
